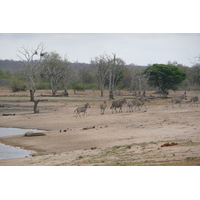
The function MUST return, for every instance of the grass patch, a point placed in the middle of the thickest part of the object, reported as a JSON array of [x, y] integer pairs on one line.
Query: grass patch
[[189, 143]]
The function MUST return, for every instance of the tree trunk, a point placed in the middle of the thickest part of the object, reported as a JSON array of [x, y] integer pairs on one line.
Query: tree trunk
[[101, 92], [54, 91], [111, 96], [35, 106], [66, 94], [110, 86], [102, 89], [32, 92], [144, 93]]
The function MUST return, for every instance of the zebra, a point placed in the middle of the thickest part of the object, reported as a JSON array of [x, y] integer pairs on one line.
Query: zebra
[[178, 99], [118, 104], [193, 100], [103, 107], [82, 109], [139, 103], [130, 106]]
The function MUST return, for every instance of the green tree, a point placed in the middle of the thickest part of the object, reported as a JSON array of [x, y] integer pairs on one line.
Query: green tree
[[1, 73], [164, 77], [77, 87]]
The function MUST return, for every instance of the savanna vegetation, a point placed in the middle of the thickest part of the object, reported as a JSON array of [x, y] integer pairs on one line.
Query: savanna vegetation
[[49, 70]]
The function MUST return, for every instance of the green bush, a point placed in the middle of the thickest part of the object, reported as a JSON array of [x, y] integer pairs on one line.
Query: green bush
[[91, 86], [17, 85], [43, 86], [78, 87]]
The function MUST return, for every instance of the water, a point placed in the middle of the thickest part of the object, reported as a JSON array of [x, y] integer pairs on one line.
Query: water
[[10, 152], [15, 131]]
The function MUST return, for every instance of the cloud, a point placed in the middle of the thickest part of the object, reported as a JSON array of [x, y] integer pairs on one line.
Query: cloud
[[137, 48]]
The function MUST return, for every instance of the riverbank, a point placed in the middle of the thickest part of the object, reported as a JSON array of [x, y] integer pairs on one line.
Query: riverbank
[[109, 139]]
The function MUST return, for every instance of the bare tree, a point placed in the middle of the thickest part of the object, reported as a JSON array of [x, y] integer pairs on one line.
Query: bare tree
[[139, 80], [52, 69], [31, 64], [196, 74], [116, 66], [67, 75], [101, 67], [85, 75]]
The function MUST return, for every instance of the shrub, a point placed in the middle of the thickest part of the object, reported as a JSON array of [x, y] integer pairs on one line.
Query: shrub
[[17, 85], [90, 86], [78, 87]]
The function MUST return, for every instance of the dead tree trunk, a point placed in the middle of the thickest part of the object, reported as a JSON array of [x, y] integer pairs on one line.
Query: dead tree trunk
[[66, 94], [32, 92], [111, 80], [35, 109]]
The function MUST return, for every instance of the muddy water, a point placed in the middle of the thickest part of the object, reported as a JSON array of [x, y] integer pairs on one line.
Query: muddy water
[[10, 152]]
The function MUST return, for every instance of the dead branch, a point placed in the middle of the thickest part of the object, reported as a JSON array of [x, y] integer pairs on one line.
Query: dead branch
[[8, 114]]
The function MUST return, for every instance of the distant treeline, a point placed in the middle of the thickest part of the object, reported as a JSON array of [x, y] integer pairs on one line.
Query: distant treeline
[[17, 65], [86, 76]]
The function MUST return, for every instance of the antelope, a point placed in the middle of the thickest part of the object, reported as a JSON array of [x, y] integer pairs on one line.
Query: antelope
[[193, 100], [178, 99], [82, 109], [118, 104], [103, 107]]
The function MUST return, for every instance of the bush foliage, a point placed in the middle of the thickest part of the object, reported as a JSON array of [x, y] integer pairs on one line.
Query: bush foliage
[[17, 85], [165, 77]]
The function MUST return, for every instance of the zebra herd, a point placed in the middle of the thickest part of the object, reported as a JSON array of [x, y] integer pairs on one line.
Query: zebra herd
[[133, 105], [178, 100], [137, 104]]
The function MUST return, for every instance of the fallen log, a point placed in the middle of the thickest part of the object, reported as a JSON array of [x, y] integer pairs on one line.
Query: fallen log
[[89, 128], [9, 114]]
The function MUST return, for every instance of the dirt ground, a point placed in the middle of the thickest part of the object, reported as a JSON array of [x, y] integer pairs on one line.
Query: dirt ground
[[138, 138]]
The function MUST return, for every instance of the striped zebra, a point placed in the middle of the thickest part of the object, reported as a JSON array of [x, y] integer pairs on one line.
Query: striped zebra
[[178, 100], [130, 106], [103, 107], [140, 102], [82, 109], [118, 104]]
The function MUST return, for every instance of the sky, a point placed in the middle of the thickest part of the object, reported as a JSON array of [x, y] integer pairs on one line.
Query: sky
[[133, 48], [138, 32]]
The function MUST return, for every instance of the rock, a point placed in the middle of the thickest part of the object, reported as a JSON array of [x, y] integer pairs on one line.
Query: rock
[[31, 133], [168, 144]]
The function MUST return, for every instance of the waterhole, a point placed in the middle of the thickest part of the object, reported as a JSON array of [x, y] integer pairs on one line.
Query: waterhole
[[10, 152]]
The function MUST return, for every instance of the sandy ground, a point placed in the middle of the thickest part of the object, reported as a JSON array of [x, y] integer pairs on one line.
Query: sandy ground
[[110, 139]]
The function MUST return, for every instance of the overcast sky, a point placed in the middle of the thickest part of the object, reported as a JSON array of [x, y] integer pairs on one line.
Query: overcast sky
[[139, 49], [83, 30]]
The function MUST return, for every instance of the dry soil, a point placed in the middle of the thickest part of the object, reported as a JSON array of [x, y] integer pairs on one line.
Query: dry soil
[[138, 138]]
